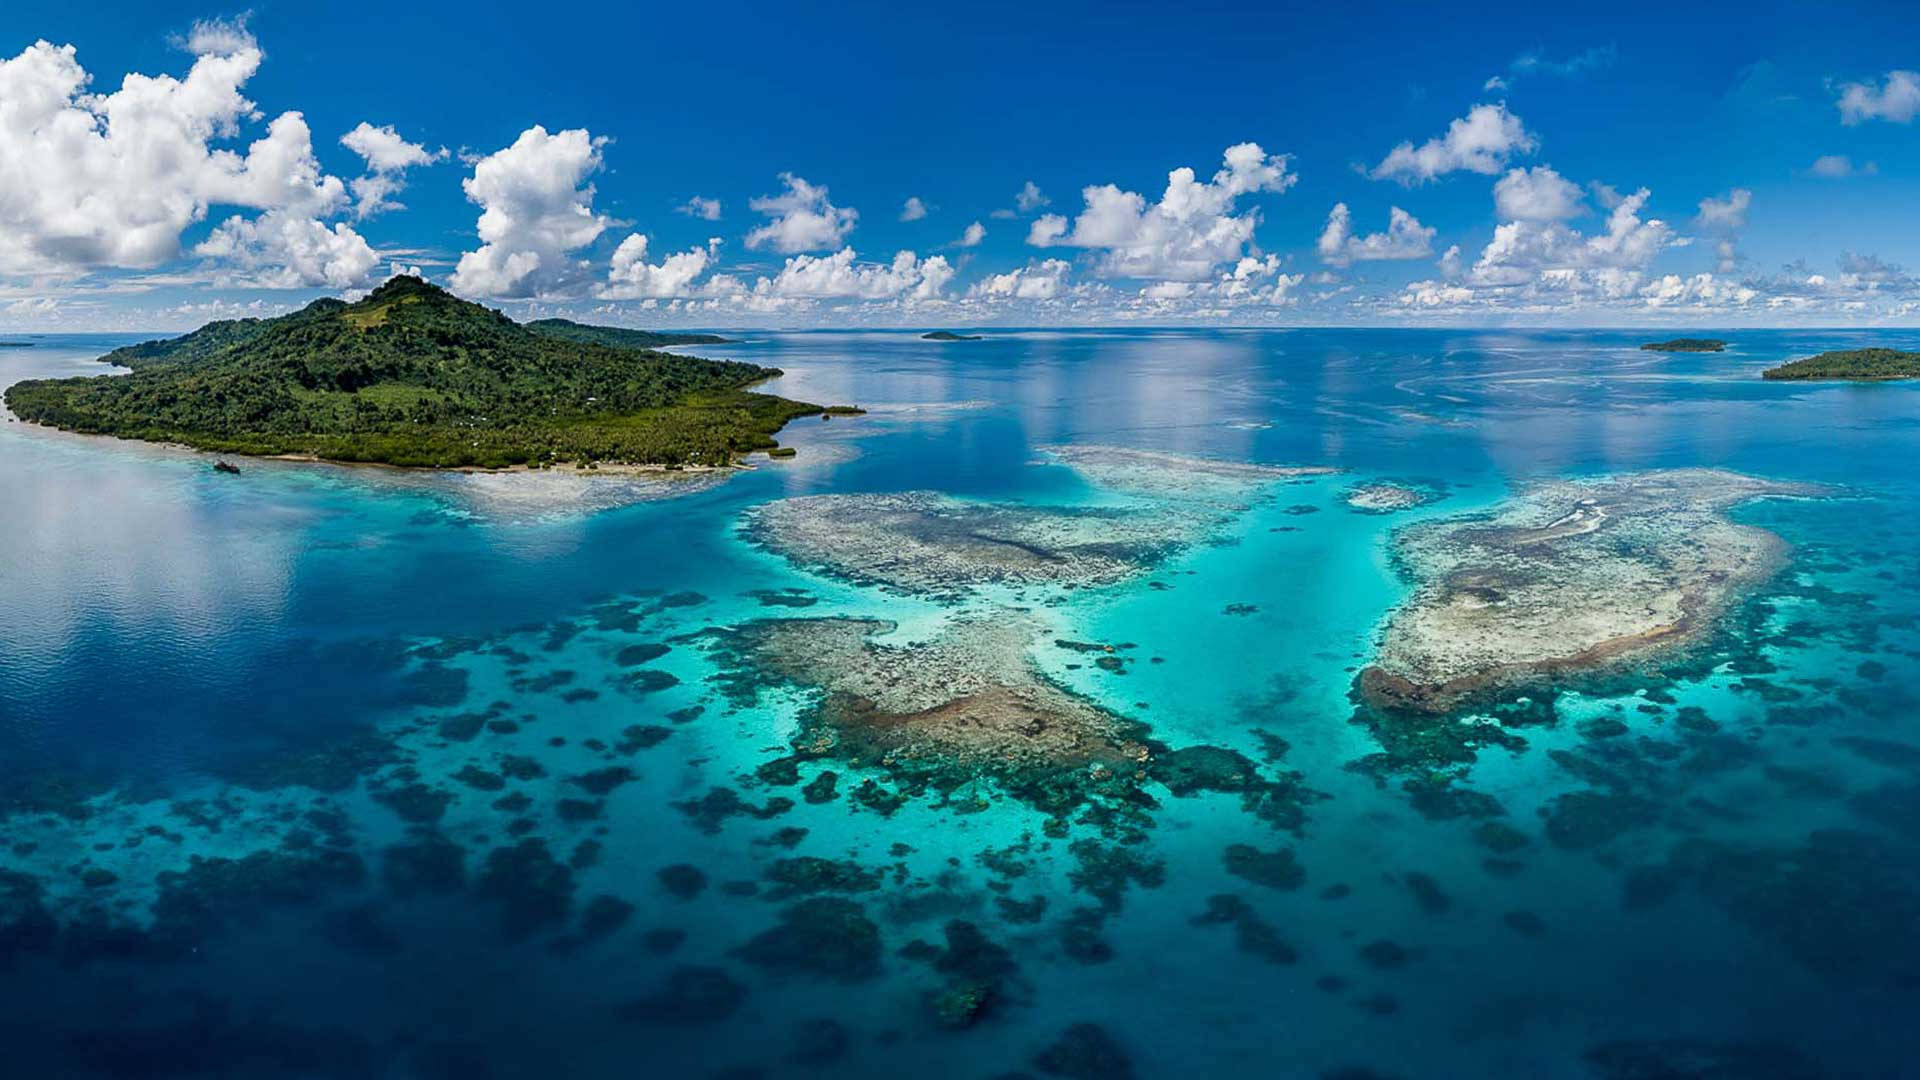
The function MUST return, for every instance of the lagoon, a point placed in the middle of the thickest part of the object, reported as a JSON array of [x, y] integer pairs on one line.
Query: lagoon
[[318, 770]]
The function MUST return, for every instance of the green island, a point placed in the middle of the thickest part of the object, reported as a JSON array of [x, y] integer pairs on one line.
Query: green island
[[568, 330], [1686, 344], [413, 376], [1861, 364], [948, 335]]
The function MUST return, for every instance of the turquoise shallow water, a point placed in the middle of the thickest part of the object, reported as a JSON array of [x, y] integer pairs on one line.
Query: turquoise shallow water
[[304, 771]]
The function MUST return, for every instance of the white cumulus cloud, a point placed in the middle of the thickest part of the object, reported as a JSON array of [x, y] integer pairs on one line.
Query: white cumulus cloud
[[1257, 280], [1724, 218], [1186, 235], [913, 209], [1839, 166], [703, 208], [1555, 256], [388, 157], [111, 180], [1895, 99], [287, 246], [1030, 198], [1405, 238], [841, 276], [1035, 281], [384, 150], [1669, 290], [974, 233], [1537, 194], [1865, 285], [1435, 294], [1479, 142], [800, 219], [536, 210], [283, 250], [1726, 212], [631, 277]]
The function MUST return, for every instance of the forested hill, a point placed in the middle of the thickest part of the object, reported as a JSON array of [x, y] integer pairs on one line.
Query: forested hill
[[411, 375], [1861, 364], [219, 335], [569, 330], [206, 341]]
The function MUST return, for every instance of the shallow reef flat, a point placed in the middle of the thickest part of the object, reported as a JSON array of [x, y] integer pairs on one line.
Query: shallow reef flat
[[532, 495], [969, 703], [969, 696], [932, 544], [922, 542], [1181, 477], [1387, 498], [1565, 577]]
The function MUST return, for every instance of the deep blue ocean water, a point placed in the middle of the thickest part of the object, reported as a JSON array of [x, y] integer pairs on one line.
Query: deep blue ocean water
[[226, 701]]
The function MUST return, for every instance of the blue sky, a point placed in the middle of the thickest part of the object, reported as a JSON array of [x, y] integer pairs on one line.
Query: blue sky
[[723, 164]]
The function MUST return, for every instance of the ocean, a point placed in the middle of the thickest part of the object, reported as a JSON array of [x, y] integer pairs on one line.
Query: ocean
[[330, 771]]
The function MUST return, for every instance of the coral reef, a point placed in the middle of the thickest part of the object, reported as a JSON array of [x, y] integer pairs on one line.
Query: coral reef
[[1085, 1052], [1252, 934], [932, 544], [970, 695], [921, 542], [1567, 577], [1176, 477], [1384, 498], [826, 937], [692, 995]]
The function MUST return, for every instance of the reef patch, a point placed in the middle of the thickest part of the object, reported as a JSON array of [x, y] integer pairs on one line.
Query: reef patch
[[925, 543], [1568, 577], [1387, 498], [932, 544], [1159, 474], [969, 696]]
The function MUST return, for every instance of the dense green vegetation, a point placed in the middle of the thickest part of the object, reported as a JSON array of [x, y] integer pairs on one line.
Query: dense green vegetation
[[1686, 344], [568, 330], [1851, 364], [216, 336], [948, 335], [411, 375], [209, 340]]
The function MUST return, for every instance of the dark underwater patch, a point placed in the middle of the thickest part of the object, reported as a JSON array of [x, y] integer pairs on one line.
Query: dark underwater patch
[[824, 937]]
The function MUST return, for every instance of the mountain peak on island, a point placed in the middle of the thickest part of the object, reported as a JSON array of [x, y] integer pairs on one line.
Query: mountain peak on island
[[408, 285], [404, 283]]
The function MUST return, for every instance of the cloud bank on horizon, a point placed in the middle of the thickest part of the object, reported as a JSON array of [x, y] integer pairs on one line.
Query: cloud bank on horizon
[[164, 199]]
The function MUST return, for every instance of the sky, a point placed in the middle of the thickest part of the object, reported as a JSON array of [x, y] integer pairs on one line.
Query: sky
[[722, 165]]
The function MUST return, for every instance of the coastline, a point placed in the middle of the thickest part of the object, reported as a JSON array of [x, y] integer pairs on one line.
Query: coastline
[[1837, 378], [604, 468]]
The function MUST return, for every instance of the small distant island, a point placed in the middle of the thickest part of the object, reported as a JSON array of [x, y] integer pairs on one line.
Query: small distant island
[[1686, 344], [568, 330], [1870, 365], [411, 375], [948, 335]]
